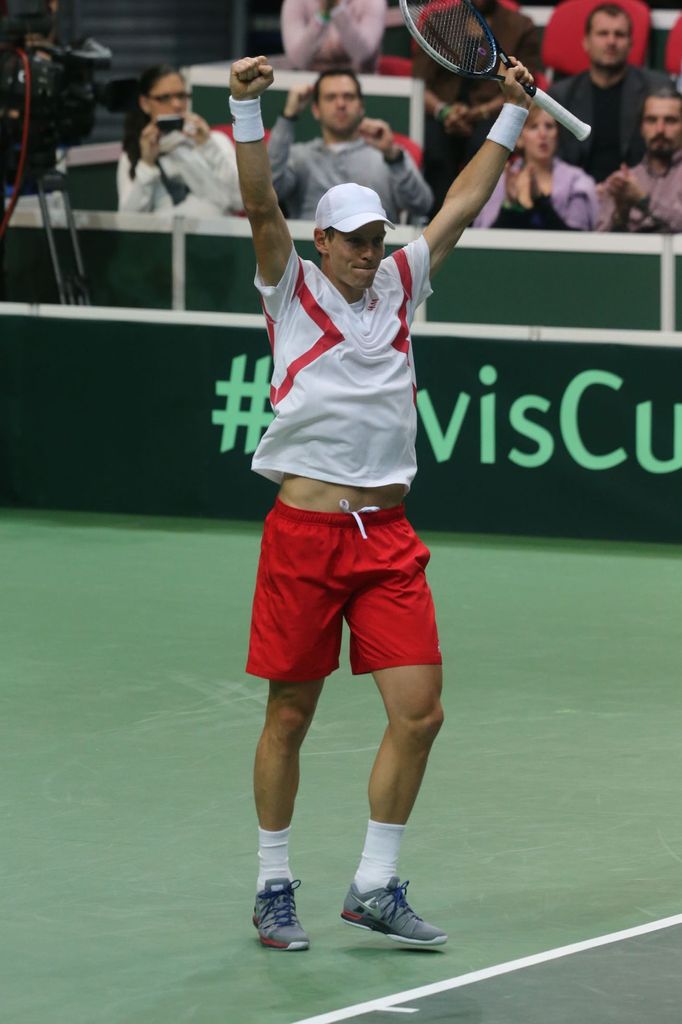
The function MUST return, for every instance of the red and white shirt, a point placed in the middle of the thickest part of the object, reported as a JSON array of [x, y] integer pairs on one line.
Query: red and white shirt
[[343, 385]]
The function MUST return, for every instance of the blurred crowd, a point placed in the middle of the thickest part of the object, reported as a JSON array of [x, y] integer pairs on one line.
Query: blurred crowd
[[627, 176]]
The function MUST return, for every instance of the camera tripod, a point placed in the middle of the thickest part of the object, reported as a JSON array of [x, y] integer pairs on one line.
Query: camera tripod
[[72, 285]]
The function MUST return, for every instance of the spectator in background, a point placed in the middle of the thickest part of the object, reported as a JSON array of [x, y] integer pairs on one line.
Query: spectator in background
[[608, 96], [352, 148], [322, 34], [191, 170], [648, 197], [460, 111], [538, 190]]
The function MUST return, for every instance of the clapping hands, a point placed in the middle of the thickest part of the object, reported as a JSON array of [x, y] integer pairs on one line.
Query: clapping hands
[[623, 188], [522, 186]]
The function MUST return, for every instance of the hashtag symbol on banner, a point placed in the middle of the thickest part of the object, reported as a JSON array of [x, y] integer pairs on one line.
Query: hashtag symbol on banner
[[246, 404]]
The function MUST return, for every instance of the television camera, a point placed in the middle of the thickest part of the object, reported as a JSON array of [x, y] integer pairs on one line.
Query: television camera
[[48, 100]]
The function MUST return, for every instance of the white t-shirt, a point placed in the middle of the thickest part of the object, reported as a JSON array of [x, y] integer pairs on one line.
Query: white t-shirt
[[208, 171], [343, 385]]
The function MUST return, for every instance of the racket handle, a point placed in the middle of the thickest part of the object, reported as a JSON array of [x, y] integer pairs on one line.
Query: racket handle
[[574, 125]]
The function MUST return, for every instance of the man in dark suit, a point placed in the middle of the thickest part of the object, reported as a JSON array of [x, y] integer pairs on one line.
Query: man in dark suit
[[609, 96], [461, 111]]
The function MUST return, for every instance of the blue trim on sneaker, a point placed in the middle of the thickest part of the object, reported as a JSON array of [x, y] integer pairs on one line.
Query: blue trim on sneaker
[[275, 916], [387, 911]]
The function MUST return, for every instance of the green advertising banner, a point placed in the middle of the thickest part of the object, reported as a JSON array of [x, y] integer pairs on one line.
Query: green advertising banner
[[578, 440]]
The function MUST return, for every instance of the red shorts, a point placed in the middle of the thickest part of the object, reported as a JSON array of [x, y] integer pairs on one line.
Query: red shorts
[[315, 570]]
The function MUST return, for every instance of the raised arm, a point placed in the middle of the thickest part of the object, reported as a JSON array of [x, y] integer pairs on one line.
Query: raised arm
[[249, 78], [471, 189]]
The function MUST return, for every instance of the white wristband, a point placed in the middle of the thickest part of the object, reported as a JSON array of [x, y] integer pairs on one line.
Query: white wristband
[[246, 120], [508, 125]]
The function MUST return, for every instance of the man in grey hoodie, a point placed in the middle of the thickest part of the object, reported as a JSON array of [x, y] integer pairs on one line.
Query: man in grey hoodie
[[352, 147]]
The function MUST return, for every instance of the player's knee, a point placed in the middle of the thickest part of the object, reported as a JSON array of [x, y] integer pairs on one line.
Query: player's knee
[[424, 728], [290, 722], [435, 721]]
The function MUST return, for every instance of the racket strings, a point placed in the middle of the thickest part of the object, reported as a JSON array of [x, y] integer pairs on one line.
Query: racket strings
[[453, 31]]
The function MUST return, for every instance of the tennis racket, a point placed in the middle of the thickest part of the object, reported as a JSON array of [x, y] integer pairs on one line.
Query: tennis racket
[[456, 35]]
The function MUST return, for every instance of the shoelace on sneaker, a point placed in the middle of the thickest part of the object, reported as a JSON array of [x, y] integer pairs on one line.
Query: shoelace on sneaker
[[400, 902], [280, 905]]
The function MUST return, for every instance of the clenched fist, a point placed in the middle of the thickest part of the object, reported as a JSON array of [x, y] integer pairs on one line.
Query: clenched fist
[[250, 77]]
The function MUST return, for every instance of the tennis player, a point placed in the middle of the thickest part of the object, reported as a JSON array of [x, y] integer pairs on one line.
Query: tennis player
[[337, 544]]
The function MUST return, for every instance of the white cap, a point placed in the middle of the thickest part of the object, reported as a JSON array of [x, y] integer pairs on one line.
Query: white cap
[[349, 206]]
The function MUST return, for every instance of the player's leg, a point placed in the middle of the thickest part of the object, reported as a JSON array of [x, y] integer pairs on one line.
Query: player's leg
[[376, 899], [290, 710], [394, 636], [411, 696], [295, 641]]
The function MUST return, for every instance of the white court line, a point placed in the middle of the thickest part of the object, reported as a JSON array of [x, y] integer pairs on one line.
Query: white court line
[[397, 1009], [385, 1002]]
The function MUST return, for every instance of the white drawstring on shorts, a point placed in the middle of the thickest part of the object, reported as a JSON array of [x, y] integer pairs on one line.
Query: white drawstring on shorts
[[344, 505]]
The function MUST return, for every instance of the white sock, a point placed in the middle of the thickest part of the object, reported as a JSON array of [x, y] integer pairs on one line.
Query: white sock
[[379, 861], [273, 856]]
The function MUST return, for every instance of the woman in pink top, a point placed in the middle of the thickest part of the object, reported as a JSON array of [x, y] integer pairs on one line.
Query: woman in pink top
[[322, 34]]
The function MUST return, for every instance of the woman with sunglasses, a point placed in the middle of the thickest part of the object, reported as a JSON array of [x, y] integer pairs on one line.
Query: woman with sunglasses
[[189, 168]]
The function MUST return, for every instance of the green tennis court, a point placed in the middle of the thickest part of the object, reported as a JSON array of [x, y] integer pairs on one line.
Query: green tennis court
[[551, 813]]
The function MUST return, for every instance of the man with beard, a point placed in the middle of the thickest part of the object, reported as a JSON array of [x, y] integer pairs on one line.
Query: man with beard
[[648, 197], [352, 148], [460, 111], [608, 96]]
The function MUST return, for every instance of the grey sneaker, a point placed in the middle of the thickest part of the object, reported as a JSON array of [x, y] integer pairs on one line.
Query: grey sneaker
[[387, 911], [275, 916]]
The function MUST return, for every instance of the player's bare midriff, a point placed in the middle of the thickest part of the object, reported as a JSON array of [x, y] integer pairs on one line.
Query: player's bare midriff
[[320, 496]]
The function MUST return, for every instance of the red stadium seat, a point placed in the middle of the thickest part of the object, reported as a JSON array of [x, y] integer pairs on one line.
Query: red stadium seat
[[542, 81], [410, 146], [390, 65], [438, 5], [562, 40], [673, 49], [511, 4]]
